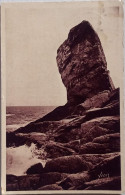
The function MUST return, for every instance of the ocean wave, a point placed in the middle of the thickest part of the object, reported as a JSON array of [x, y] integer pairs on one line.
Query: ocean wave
[[19, 159], [10, 114], [14, 127]]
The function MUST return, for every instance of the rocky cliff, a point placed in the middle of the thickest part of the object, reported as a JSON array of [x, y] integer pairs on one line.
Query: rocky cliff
[[81, 140]]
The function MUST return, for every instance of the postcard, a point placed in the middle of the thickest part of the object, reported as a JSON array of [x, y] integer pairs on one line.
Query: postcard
[[62, 72]]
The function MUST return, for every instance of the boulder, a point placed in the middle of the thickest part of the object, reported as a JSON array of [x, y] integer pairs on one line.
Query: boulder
[[67, 164], [35, 169]]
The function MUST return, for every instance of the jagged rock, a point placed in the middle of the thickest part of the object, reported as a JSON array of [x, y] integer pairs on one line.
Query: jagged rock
[[74, 180], [51, 178], [107, 166], [85, 130], [18, 139], [79, 163], [105, 169], [108, 139], [55, 150], [32, 182], [82, 64], [51, 187], [113, 183], [101, 145], [100, 100], [37, 126], [94, 102], [35, 169], [109, 110], [13, 140], [75, 145], [114, 96]]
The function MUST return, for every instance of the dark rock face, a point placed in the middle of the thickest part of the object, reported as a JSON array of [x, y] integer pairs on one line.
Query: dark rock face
[[82, 64], [35, 169], [80, 140], [32, 182]]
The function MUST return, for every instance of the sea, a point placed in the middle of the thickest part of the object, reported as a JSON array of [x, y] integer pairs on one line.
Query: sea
[[19, 159], [19, 116]]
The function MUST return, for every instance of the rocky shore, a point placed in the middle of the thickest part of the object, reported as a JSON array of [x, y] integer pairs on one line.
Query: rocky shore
[[80, 140]]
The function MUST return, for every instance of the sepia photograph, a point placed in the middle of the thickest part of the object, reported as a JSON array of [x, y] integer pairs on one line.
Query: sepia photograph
[[62, 97]]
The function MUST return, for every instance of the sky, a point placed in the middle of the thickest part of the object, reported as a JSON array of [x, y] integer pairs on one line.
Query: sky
[[34, 32]]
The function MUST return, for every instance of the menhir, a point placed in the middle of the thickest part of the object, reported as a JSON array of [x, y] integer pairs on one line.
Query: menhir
[[83, 68], [82, 64]]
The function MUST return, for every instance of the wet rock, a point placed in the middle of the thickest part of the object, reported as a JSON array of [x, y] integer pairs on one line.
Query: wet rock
[[82, 64], [18, 139], [35, 169], [13, 140]]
